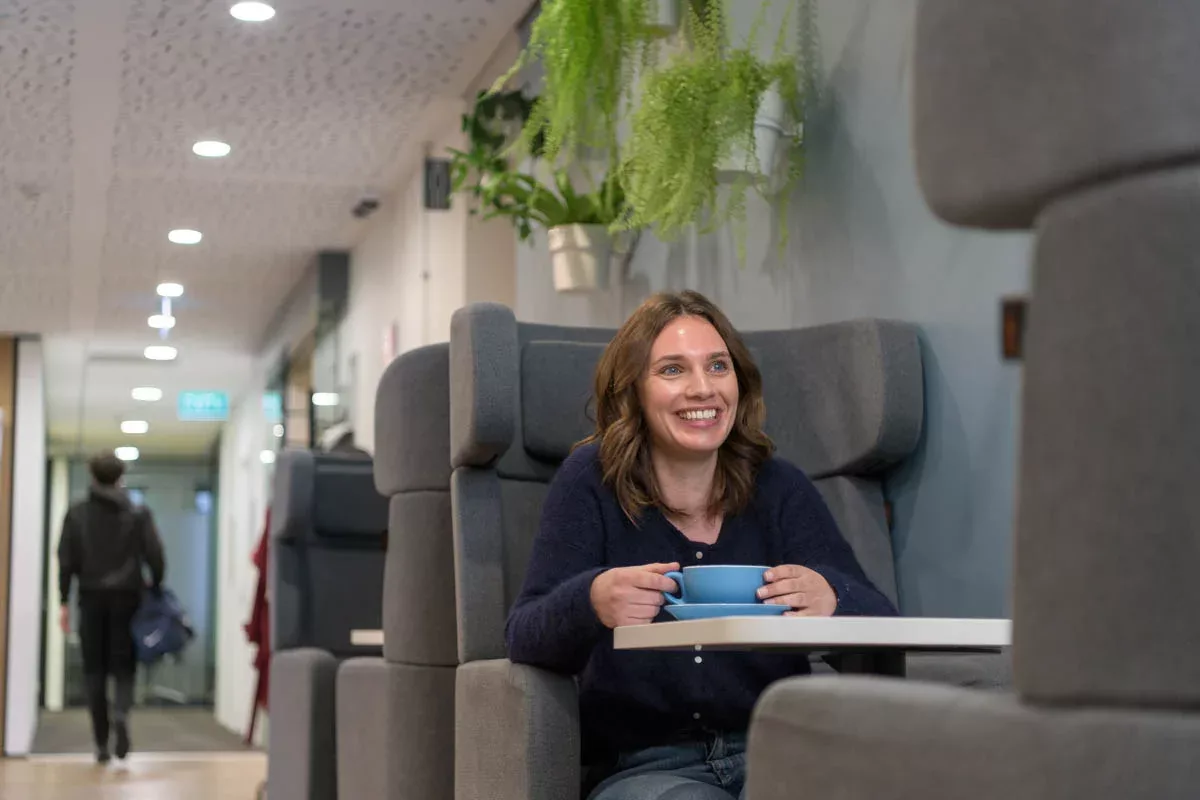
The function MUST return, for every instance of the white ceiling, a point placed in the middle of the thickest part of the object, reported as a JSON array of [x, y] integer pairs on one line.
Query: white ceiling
[[100, 102]]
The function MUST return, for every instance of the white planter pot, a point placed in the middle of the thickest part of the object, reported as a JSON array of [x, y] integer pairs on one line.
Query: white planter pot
[[580, 256], [664, 17], [769, 126]]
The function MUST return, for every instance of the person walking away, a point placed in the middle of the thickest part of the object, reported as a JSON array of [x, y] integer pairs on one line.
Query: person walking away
[[105, 543]]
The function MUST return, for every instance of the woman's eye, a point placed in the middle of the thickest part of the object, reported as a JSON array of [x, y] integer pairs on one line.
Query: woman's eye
[[670, 370], [720, 366]]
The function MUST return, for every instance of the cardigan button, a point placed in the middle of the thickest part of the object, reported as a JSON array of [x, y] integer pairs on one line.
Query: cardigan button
[[699, 555]]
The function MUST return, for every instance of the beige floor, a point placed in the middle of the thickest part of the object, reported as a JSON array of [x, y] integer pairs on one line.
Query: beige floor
[[201, 776]]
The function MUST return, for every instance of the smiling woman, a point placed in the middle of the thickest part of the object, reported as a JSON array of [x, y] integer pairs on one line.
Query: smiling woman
[[679, 365], [678, 474]]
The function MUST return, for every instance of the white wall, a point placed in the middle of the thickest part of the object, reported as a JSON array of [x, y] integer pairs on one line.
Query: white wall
[[415, 268], [60, 501], [863, 243], [242, 499], [242, 504], [412, 270], [27, 550]]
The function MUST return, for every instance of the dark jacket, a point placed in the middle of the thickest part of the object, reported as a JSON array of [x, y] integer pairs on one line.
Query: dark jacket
[[634, 699], [105, 541]]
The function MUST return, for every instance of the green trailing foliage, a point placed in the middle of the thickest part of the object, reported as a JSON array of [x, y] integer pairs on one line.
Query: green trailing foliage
[[589, 52], [697, 111]]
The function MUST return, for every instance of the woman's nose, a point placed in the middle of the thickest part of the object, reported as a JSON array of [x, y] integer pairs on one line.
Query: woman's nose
[[700, 385]]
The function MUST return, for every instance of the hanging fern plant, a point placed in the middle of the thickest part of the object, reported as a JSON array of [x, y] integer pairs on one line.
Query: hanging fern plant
[[590, 52], [696, 113]]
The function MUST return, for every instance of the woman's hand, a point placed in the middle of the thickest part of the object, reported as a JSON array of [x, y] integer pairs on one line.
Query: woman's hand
[[808, 594], [631, 595]]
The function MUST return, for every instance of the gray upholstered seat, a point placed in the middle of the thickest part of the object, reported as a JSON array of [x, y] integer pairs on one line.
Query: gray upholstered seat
[[1096, 146], [395, 714], [325, 578], [844, 402]]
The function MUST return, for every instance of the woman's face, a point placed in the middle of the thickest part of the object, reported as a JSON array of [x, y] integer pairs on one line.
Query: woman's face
[[689, 392]]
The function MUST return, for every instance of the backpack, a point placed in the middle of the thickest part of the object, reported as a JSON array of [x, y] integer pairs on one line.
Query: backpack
[[160, 627]]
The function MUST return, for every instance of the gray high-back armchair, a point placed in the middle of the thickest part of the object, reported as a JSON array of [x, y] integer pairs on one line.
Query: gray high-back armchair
[[1078, 119], [395, 714], [843, 401], [325, 578]]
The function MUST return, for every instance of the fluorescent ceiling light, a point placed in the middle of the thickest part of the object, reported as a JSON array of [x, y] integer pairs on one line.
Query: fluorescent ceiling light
[[127, 453], [211, 149], [160, 352], [147, 394], [252, 12], [135, 427], [162, 322], [170, 290], [267, 456], [185, 236], [325, 399]]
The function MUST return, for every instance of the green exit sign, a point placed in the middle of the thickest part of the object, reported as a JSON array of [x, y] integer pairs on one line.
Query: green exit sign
[[203, 406]]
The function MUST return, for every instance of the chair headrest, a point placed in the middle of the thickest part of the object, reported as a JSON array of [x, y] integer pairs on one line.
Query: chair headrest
[[845, 398], [842, 399], [556, 396], [497, 367], [412, 422], [327, 494]]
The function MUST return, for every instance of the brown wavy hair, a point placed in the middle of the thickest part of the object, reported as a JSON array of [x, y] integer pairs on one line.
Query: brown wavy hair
[[621, 428]]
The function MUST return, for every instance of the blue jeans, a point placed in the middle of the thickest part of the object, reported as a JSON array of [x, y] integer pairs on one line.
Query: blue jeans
[[713, 769]]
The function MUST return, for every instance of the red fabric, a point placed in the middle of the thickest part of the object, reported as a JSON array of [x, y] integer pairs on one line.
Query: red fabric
[[258, 629]]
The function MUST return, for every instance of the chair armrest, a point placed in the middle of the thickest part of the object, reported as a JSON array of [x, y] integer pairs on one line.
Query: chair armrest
[[516, 733], [302, 745], [859, 737]]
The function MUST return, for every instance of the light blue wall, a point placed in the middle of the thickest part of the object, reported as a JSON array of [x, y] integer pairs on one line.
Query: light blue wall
[[868, 246], [863, 243]]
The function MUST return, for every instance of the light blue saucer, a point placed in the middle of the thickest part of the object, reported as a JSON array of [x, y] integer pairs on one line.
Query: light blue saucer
[[710, 610]]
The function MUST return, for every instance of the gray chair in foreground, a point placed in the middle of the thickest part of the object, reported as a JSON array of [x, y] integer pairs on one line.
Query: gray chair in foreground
[[325, 578], [844, 402], [395, 714], [1076, 118]]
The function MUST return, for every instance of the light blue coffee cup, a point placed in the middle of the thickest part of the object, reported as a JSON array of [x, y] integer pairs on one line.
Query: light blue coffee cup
[[716, 583]]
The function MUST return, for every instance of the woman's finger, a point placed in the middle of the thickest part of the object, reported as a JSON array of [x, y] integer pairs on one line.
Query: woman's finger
[[780, 587], [782, 572], [794, 600], [644, 598]]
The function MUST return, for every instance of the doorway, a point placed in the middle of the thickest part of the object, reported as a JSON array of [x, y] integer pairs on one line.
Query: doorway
[[173, 699]]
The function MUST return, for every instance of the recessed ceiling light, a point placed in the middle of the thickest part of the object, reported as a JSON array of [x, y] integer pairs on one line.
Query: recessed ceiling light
[[252, 12], [211, 149], [135, 427], [267, 456], [147, 394], [160, 352], [127, 453], [325, 399], [185, 236], [162, 322], [278, 431], [170, 290]]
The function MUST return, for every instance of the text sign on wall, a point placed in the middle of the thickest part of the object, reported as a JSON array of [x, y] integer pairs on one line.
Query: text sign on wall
[[203, 406]]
